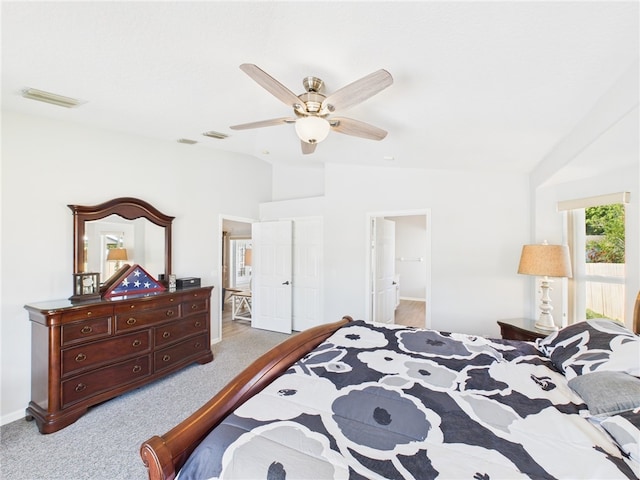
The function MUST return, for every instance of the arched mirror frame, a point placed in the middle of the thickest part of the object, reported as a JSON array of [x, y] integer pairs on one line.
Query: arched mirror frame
[[127, 207]]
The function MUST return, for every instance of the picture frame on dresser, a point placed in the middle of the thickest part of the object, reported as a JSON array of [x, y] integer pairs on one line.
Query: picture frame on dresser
[[86, 287]]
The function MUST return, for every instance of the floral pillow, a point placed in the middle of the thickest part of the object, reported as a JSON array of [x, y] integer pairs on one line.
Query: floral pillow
[[593, 345]]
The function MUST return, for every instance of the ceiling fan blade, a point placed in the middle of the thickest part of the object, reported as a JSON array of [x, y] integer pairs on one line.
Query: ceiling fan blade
[[270, 84], [308, 147], [358, 91], [263, 123], [349, 126]]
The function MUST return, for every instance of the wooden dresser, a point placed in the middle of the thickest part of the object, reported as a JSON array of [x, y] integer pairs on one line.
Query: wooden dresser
[[84, 354]]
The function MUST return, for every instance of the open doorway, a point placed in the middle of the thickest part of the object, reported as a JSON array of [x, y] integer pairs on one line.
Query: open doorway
[[399, 267], [236, 274]]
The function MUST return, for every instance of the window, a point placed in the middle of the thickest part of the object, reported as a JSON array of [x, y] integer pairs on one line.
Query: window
[[596, 233]]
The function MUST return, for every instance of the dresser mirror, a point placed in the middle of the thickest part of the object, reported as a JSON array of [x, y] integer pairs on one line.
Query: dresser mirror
[[121, 231]]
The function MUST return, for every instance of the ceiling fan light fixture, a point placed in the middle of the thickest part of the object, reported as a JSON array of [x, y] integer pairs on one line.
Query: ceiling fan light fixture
[[312, 129]]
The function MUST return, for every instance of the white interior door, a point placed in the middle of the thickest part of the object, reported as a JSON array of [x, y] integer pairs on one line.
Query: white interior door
[[384, 287], [271, 289], [307, 273]]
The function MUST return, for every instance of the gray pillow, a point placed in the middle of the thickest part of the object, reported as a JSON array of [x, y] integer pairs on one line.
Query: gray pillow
[[607, 393]]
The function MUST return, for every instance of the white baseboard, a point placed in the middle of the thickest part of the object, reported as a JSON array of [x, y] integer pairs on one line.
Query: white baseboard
[[413, 299], [12, 417]]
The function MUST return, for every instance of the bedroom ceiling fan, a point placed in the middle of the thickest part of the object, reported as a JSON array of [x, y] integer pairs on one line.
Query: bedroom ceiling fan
[[312, 109]]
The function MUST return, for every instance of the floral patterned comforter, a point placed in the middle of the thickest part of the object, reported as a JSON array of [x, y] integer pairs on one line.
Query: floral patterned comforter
[[392, 402]]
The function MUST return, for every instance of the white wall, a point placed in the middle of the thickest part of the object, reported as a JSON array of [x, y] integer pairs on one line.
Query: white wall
[[47, 165], [478, 228], [292, 182], [601, 155]]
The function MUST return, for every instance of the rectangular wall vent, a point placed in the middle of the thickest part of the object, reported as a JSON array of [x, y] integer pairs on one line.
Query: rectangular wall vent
[[218, 135], [52, 98]]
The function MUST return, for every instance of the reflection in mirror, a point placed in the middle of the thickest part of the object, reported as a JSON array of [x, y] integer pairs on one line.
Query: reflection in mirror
[[114, 241], [122, 225]]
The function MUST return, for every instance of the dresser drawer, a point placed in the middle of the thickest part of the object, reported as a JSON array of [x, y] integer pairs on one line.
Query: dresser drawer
[[140, 319], [150, 303], [195, 294], [102, 380], [180, 352], [194, 306], [87, 313], [87, 330], [172, 332], [98, 353]]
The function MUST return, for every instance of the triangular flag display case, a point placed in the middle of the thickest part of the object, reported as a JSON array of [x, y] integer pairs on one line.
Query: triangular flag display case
[[131, 280]]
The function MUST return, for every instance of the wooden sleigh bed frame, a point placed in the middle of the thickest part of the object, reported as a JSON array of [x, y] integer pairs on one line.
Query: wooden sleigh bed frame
[[165, 455]]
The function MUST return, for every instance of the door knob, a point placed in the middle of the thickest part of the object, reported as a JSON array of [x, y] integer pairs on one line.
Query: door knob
[[286, 283]]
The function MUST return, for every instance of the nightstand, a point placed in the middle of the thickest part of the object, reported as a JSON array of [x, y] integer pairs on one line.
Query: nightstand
[[521, 329]]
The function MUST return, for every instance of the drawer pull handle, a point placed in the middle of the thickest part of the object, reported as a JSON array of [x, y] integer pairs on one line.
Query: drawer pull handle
[[80, 387], [86, 329], [171, 299], [132, 306], [131, 321], [197, 324], [166, 358], [194, 306], [81, 357], [137, 369], [136, 343], [169, 313], [166, 334], [197, 345]]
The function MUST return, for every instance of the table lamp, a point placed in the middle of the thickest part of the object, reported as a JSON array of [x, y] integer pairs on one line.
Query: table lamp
[[545, 261]]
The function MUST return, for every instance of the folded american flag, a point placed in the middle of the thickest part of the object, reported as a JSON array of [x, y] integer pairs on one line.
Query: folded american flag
[[133, 282]]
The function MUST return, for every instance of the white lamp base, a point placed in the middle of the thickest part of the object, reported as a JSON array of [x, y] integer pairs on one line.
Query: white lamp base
[[545, 322]]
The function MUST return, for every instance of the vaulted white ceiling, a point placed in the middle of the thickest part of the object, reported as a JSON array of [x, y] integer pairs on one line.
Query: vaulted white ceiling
[[477, 85]]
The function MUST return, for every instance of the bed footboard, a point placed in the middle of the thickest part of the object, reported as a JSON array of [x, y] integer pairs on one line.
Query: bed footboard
[[164, 455]]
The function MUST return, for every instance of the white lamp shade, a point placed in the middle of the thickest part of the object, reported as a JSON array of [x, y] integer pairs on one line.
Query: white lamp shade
[[312, 129]]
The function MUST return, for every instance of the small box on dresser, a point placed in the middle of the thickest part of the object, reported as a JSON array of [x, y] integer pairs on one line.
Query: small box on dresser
[[84, 354], [188, 282]]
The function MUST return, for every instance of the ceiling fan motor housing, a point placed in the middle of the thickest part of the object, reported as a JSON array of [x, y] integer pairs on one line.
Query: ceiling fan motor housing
[[313, 84]]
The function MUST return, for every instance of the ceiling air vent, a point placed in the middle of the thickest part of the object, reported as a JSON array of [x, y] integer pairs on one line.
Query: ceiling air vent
[[217, 135], [188, 141], [52, 98]]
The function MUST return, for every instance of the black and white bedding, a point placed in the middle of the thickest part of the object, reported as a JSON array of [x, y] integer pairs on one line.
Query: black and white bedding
[[390, 402]]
